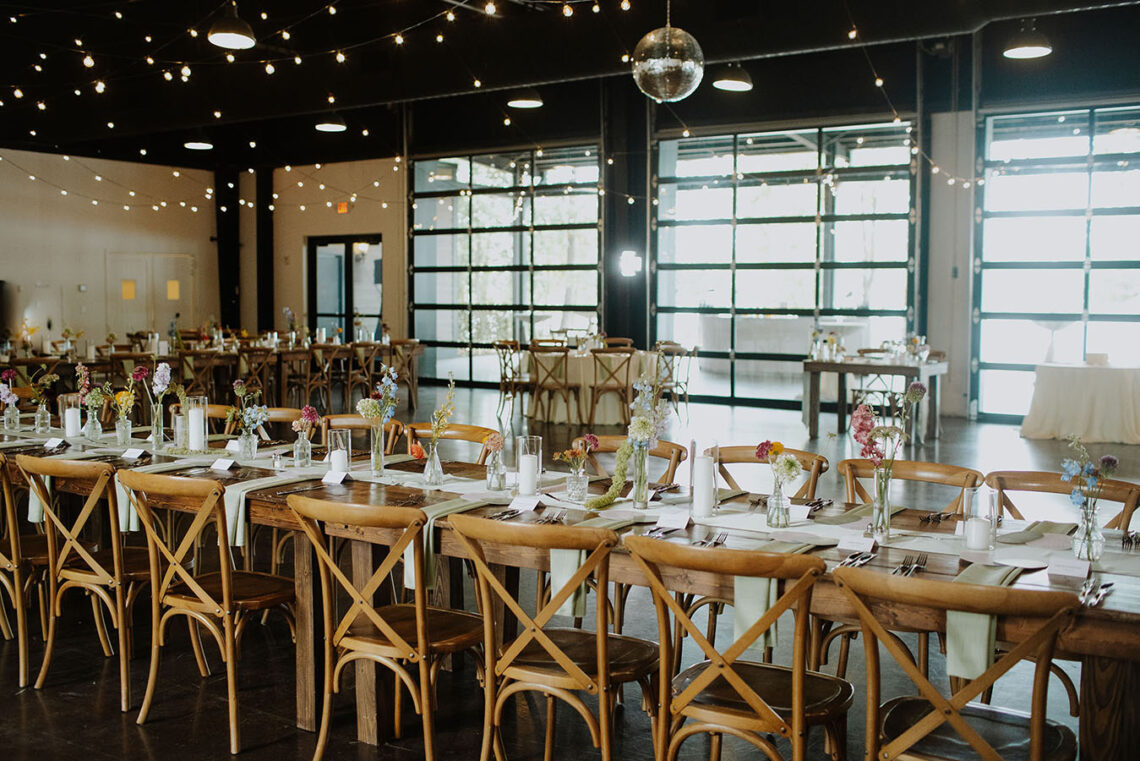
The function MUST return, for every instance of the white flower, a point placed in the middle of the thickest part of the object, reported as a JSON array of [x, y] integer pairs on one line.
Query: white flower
[[369, 408], [642, 429], [786, 468]]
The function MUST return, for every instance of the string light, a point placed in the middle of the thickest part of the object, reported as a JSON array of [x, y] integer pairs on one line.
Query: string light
[[439, 38], [88, 61], [567, 10], [230, 58], [625, 5], [450, 16], [332, 10], [269, 68], [596, 8], [489, 9], [399, 39], [100, 87], [340, 57]]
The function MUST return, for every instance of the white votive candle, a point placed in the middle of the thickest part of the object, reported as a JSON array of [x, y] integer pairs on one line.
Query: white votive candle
[[338, 461], [703, 480], [71, 422], [196, 433], [528, 475], [977, 533]]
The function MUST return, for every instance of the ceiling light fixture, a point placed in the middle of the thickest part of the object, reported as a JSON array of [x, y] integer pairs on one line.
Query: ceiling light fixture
[[528, 98], [231, 32], [331, 123], [1028, 43], [732, 78], [198, 144]]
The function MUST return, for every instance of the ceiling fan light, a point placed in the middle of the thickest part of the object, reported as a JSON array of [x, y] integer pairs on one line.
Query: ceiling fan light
[[230, 32]]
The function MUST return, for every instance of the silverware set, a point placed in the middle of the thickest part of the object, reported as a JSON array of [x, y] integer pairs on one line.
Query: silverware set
[[1092, 593], [1130, 540], [715, 541], [659, 532], [504, 515], [911, 565], [556, 516], [856, 559], [935, 518]]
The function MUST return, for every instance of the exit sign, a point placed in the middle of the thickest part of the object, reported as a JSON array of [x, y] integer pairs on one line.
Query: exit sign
[[343, 207]]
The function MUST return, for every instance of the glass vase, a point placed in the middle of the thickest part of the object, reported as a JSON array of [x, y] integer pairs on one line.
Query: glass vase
[[881, 506], [157, 435], [302, 451], [1088, 541], [11, 418], [639, 461], [433, 470], [377, 445], [179, 422], [247, 445], [123, 431], [577, 486], [496, 472], [779, 506], [42, 419], [93, 430]]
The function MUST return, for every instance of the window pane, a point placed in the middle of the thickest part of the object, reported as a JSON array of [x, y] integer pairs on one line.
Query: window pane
[[1005, 391], [1117, 340], [1114, 238], [1028, 342], [490, 325], [773, 334], [1117, 130], [572, 287], [685, 329], [500, 210], [758, 379], [1034, 136], [500, 170], [873, 196], [566, 208], [545, 322], [441, 324], [330, 278], [1036, 191], [442, 250], [866, 145], [498, 249], [1051, 239], [695, 157], [563, 166], [776, 198], [710, 377], [436, 175], [438, 361], [775, 289], [694, 288], [695, 244], [366, 277], [776, 242], [864, 288], [880, 329], [445, 213], [440, 288], [704, 201], [866, 241], [566, 246], [778, 151], [1033, 291], [485, 363], [1116, 187], [500, 287], [1115, 292]]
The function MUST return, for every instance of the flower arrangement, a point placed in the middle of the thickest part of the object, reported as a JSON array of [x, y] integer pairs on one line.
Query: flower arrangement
[[290, 318], [27, 330], [381, 405], [247, 416], [576, 457], [8, 396], [41, 382], [110, 339], [442, 414], [493, 442], [880, 443], [94, 400], [68, 334], [308, 419], [124, 400], [160, 381], [82, 382], [1087, 477], [650, 414], [417, 451], [8, 376], [785, 467]]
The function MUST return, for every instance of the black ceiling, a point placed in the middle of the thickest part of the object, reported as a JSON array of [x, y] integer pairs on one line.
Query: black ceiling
[[524, 43]]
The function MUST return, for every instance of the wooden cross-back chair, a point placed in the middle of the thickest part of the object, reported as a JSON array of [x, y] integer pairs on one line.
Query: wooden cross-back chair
[[456, 432], [114, 575], [725, 694], [197, 370], [393, 429], [613, 374], [550, 366], [556, 662], [404, 638], [513, 381], [404, 351], [1112, 490], [954, 727], [674, 366], [255, 366], [852, 471], [813, 465], [366, 355], [617, 341], [324, 370], [220, 601], [672, 454]]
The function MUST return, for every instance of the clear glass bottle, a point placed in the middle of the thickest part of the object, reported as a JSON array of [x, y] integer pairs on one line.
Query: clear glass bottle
[[1088, 541], [93, 430], [302, 451], [779, 506], [123, 431], [433, 470], [247, 445], [496, 473], [42, 419], [377, 448], [639, 461], [157, 434], [11, 418], [881, 506]]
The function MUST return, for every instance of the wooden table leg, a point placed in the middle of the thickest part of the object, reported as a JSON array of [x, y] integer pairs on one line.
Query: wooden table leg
[[933, 408], [841, 404], [373, 690], [1109, 709], [306, 591], [282, 385], [813, 405]]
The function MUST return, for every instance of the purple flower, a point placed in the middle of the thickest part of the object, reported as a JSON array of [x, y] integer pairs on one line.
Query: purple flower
[[161, 378], [1109, 463], [8, 376], [309, 414], [915, 393]]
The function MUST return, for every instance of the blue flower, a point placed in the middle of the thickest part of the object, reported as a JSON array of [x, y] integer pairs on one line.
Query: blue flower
[[1077, 497], [1087, 469], [1069, 468]]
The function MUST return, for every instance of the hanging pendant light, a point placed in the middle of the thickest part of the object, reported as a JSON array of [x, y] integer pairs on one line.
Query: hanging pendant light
[[230, 32], [331, 123], [528, 98], [1028, 43], [668, 63], [732, 78]]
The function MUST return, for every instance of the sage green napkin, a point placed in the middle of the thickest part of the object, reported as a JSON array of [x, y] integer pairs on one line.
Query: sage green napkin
[[35, 506], [752, 596], [971, 637], [1036, 530], [565, 563], [863, 511], [129, 518], [433, 513]]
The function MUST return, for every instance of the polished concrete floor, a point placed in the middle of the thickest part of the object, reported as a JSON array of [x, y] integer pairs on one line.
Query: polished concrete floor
[[76, 713]]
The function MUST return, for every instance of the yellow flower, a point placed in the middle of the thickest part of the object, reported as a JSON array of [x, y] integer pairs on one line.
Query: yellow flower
[[776, 449], [125, 399]]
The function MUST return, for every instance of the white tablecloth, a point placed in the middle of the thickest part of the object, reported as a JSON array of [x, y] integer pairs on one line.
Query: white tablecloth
[[580, 372], [1099, 404]]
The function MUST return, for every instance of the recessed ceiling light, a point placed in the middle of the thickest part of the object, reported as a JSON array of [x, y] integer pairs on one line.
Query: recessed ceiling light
[[198, 144], [331, 123]]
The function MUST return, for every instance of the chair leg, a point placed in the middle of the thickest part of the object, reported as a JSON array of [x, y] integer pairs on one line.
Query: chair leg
[[196, 646], [48, 648], [124, 631], [231, 687], [100, 626], [714, 746], [551, 714], [152, 672], [19, 602], [427, 709]]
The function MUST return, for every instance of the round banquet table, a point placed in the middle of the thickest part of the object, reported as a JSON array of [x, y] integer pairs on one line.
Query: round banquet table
[[1097, 403], [580, 373]]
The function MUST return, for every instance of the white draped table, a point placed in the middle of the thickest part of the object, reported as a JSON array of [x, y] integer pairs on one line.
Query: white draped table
[[580, 373], [1097, 403]]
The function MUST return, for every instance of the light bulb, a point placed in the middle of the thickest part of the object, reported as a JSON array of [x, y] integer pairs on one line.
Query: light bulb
[[88, 61], [596, 8], [853, 33], [878, 81], [339, 57], [439, 38], [489, 8], [567, 10], [284, 34], [185, 71], [150, 61], [450, 16], [399, 39], [269, 68], [625, 5], [230, 58], [297, 60]]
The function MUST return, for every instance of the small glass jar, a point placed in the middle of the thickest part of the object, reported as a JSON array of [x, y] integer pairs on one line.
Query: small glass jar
[[433, 469], [42, 419], [577, 487], [496, 473], [376, 443], [157, 434], [779, 506], [302, 451], [123, 431], [11, 418], [639, 462], [247, 445], [93, 430]]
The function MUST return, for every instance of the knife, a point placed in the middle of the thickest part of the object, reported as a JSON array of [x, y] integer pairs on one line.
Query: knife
[[1101, 593]]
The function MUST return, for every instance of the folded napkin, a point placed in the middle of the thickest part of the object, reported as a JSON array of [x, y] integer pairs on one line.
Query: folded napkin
[[35, 507], [235, 501], [433, 513], [16, 443], [971, 637], [128, 518], [565, 563], [858, 513], [753, 595], [1036, 530]]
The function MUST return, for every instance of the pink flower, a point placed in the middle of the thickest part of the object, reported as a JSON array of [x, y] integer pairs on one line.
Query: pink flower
[[862, 423], [309, 414], [8, 376], [762, 450], [493, 442], [591, 442], [138, 375]]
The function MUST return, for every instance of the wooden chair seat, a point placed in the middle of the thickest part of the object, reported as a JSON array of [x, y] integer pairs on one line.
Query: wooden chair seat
[[251, 590], [1007, 731], [34, 549], [629, 658], [451, 631], [136, 564], [825, 697]]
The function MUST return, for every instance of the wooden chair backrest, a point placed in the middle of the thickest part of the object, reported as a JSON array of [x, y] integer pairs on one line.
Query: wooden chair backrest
[[65, 560], [813, 464], [404, 356], [475, 534], [618, 341], [613, 367], [326, 357], [549, 365], [393, 429], [311, 513], [510, 363], [908, 470], [673, 454], [867, 590], [254, 366], [197, 369], [169, 561], [547, 343], [454, 431], [1046, 482], [659, 559], [10, 555]]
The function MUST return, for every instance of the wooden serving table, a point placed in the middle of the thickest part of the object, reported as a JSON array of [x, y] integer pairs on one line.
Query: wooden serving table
[[923, 372]]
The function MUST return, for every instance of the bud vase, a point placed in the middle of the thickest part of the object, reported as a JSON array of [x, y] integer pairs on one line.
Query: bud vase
[[377, 444], [157, 435], [1088, 541], [779, 506], [11, 418], [433, 470], [42, 419], [93, 430], [302, 451], [123, 431], [577, 486], [247, 445], [496, 473], [640, 464], [881, 506]]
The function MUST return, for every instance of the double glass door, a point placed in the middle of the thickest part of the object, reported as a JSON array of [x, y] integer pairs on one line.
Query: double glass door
[[345, 285]]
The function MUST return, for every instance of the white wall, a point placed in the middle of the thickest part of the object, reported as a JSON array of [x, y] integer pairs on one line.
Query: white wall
[[951, 239], [52, 244], [247, 251]]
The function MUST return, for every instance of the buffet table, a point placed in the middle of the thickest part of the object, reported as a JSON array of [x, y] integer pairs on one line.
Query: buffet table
[[1097, 403]]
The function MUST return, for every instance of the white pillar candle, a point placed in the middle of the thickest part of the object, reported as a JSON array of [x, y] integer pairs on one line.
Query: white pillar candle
[[528, 475], [338, 461], [196, 433], [71, 422], [703, 484], [977, 533]]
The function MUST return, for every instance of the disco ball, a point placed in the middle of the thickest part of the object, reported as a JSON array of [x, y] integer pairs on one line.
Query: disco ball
[[668, 64]]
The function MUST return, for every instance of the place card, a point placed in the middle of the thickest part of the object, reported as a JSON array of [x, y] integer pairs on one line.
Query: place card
[[334, 477], [674, 518], [798, 513], [1071, 568], [53, 443], [133, 454], [233, 446], [524, 504], [856, 543], [222, 464]]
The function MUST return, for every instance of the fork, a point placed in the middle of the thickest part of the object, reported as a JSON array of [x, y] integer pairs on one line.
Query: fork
[[503, 515], [904, 567], [854, 559], [919, 564], [554, 517], [660, 531]]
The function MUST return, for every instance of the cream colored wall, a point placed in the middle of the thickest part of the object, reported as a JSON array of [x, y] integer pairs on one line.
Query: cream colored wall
[[52, 244], [247, 252], [291, 228]]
